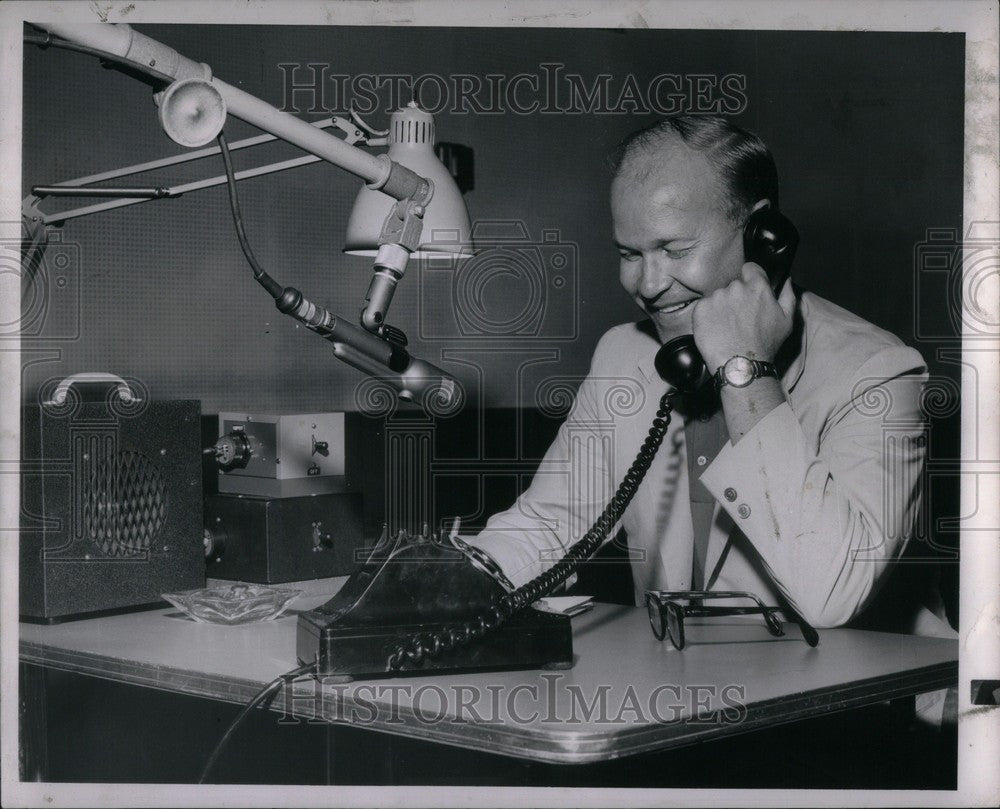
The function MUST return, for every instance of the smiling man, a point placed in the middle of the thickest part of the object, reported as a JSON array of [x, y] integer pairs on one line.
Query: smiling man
[[681, 195], [797, 482]]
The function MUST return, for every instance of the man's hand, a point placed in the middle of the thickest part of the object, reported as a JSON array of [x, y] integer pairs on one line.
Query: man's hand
[[743, 318]]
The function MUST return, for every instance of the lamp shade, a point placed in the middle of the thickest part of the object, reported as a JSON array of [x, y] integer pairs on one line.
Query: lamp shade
[[446, 228]]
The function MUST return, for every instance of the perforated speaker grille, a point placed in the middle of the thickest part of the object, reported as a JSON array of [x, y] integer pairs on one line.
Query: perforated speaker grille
[[125, 505]]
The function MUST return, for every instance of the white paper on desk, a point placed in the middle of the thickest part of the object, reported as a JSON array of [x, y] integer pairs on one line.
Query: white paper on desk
[[565, 605]]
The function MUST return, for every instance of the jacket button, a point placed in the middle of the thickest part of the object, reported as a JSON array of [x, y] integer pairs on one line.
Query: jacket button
[[743, 510], [730, 494], [701, 460]]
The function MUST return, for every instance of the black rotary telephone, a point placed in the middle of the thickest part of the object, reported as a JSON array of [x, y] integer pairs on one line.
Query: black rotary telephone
[[424, 603]]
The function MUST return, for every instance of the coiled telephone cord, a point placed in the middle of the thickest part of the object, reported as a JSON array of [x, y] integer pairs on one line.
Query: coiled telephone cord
[[416, 647]]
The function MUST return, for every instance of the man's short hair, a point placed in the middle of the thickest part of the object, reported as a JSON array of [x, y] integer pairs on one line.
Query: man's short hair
[[745, 164]]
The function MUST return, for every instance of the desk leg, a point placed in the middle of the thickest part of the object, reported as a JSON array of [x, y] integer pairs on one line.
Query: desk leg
[[33, 724]]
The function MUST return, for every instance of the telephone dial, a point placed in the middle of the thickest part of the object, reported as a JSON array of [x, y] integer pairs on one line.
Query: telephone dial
[[424, 603]]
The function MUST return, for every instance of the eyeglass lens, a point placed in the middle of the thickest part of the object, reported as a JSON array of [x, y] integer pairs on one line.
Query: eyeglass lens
[[655, 617], [675, 623]]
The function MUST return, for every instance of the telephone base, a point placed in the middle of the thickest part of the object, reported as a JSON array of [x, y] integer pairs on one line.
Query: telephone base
[[528, 640]]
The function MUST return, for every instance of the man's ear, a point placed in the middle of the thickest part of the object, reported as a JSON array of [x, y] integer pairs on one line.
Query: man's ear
[[761, 203]]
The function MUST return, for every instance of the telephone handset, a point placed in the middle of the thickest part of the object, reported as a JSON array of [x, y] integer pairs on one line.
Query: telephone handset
[[425, 603], [770, 240]]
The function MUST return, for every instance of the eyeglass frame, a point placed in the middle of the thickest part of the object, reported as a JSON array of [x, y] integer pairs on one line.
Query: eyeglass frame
[[668, 607]]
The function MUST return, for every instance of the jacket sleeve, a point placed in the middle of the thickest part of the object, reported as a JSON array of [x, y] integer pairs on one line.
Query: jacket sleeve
[[572, 485], [827, 519]]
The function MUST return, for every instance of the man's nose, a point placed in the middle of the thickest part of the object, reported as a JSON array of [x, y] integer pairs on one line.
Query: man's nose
[[654, 278]]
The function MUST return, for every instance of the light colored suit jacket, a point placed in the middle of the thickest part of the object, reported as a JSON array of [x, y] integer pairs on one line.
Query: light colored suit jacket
[[816, 502]]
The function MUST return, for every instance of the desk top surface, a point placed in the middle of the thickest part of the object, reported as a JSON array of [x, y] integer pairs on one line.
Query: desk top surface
[[626, 693]]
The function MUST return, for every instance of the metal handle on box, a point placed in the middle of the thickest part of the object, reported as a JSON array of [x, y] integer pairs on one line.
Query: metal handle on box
[[59, 395]]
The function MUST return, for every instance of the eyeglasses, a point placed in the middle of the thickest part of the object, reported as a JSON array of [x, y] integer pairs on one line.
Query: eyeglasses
[[667, 613]]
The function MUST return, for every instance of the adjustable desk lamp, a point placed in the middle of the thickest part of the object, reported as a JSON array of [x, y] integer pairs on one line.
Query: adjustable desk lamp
[[410, 204]]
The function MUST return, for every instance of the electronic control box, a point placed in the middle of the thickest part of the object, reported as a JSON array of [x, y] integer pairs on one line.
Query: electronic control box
[[284, 455]]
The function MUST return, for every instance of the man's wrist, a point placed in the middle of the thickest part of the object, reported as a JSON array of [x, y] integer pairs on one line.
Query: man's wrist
[[744, 407], [741, 370]]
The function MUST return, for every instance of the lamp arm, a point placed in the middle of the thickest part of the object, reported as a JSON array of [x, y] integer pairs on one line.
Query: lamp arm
[[37, 222], [122, 40], [402, 228], [376, 344], [81, 186]]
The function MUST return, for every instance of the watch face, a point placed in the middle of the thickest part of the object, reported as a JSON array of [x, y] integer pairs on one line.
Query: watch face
[[738, 372]]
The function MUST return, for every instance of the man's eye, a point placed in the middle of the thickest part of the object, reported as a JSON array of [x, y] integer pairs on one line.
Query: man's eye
[[628, 256], [677, 253]]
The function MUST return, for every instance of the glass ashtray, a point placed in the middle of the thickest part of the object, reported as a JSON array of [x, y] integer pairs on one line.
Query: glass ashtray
[[235, 604]]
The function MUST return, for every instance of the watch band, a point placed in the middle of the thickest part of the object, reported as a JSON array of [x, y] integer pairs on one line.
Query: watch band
[[758, 369]]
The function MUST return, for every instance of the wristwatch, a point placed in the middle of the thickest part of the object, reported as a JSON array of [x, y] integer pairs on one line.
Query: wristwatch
[[740, 371]]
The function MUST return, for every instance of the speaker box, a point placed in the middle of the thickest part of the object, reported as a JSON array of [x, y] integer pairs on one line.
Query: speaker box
[[111, 505]]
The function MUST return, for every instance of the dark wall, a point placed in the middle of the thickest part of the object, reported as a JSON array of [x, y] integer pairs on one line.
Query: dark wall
[[866, 130]]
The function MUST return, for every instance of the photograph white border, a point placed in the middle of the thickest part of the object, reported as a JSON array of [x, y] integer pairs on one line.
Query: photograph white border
[[979, 730]]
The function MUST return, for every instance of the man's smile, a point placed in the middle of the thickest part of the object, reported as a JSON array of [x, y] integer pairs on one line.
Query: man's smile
[[658, 308]]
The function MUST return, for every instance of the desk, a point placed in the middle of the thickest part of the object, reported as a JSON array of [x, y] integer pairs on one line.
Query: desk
[[626, 694]]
